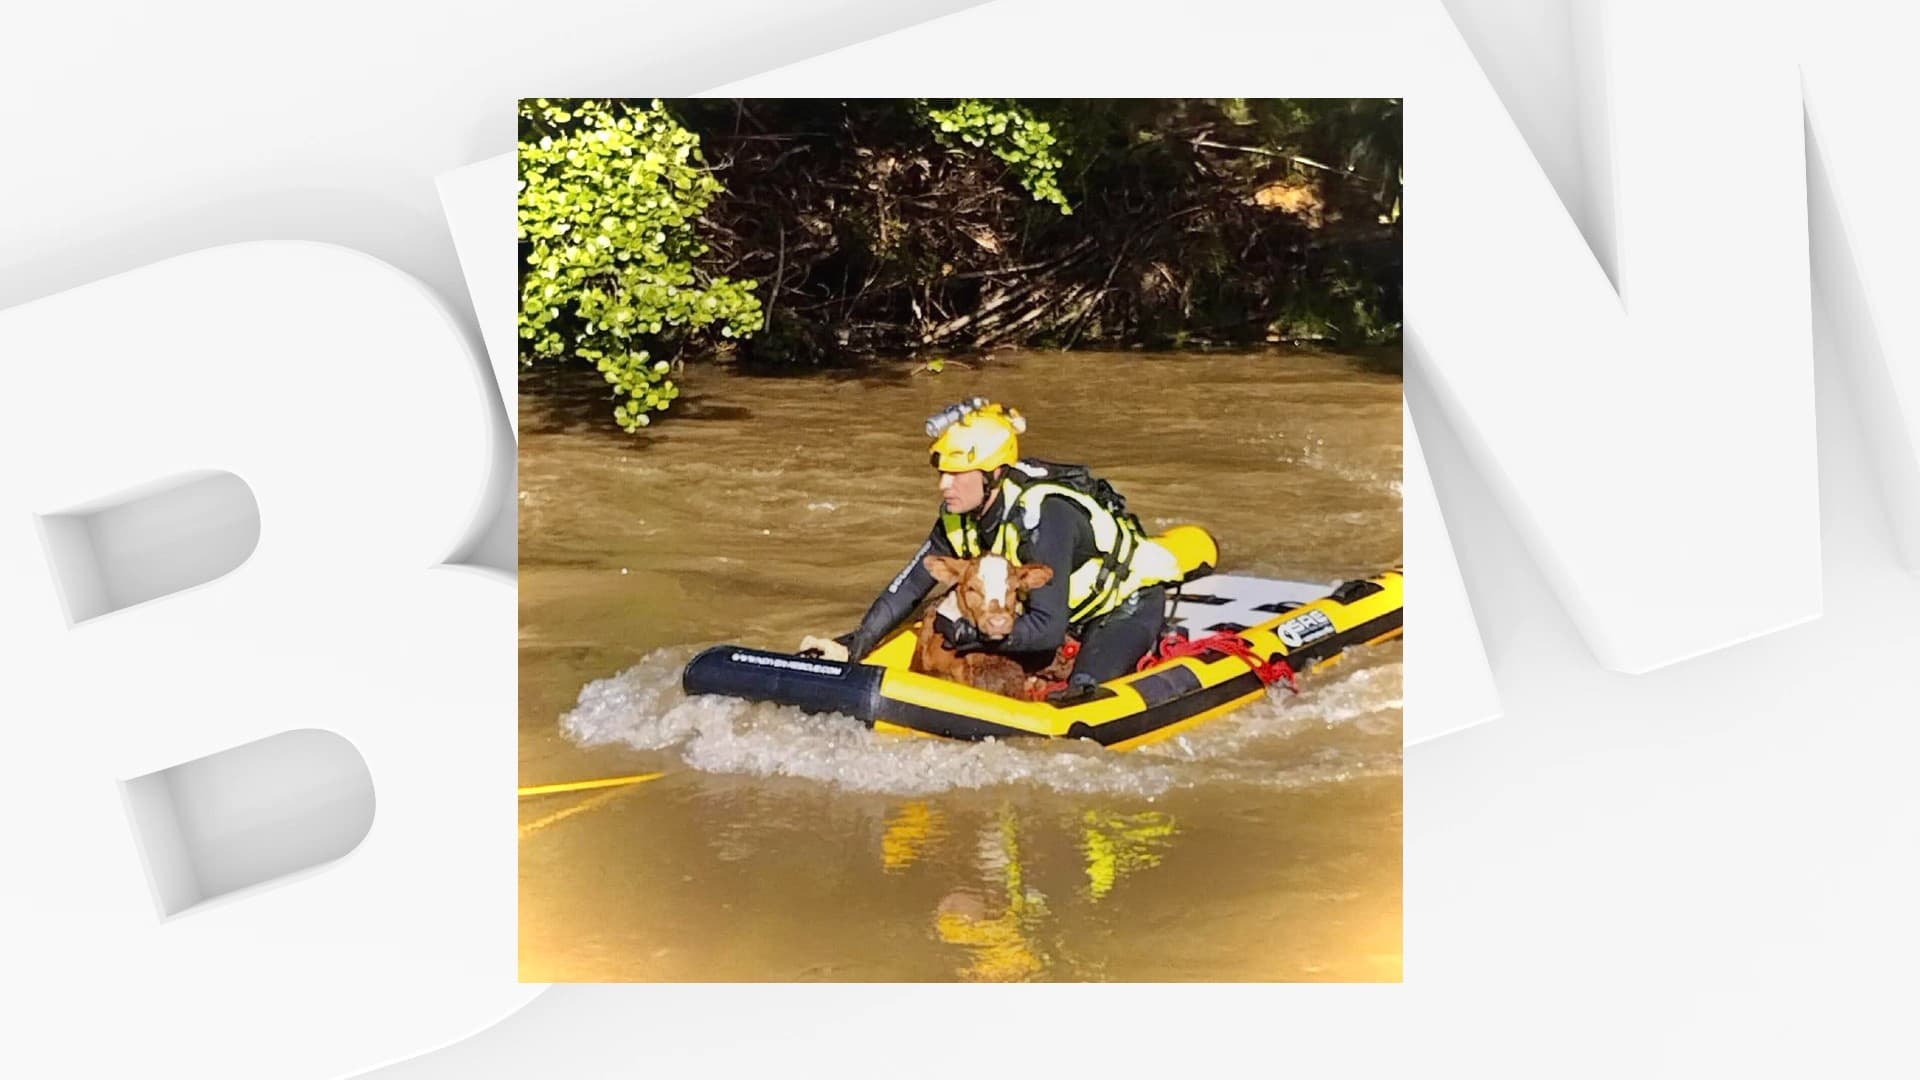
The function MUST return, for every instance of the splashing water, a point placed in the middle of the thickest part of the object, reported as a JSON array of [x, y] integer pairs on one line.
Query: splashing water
[[644, 708], [1367, 698]]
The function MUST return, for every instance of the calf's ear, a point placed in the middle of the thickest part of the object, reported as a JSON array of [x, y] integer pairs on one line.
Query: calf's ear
[[944, 569], [1033, 575]]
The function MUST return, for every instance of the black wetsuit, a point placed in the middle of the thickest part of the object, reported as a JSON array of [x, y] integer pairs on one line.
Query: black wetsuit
[[1110, 646]]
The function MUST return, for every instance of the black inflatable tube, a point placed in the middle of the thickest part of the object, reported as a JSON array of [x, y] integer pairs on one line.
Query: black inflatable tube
[[810, 683]]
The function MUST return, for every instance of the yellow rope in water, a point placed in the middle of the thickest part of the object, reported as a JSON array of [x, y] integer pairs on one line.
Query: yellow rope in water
[[581, 807], [589, 785]]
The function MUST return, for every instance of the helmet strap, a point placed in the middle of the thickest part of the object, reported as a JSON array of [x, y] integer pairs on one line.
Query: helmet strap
[[991, 481]]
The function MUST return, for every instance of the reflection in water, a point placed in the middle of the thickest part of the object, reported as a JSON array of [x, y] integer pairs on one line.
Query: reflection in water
[[912, 828], [1119, 844], [1002, 947], [1002, 919]]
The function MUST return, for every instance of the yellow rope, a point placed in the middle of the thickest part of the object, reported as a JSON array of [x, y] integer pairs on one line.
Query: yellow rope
[[589, 785], [581, 807]]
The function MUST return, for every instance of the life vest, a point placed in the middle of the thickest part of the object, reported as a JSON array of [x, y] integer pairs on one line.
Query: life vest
[[1101, 583]]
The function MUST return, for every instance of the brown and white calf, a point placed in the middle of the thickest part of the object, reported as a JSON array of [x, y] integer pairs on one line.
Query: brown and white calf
[[989, 592]]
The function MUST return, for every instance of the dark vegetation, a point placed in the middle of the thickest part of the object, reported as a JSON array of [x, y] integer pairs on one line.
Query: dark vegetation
[[807, 232]]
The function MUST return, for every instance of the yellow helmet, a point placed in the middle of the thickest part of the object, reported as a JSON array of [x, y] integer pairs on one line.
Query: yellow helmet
[[975, 434]]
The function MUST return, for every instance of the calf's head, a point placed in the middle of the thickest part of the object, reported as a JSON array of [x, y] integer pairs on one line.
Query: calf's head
[[988, 589]]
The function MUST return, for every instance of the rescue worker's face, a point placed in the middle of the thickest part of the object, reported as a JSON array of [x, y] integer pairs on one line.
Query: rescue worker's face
[[963, 492]]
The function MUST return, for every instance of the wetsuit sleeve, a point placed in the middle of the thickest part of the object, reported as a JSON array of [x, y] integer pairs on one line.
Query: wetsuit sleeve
[[900, 599], [1043, 626]]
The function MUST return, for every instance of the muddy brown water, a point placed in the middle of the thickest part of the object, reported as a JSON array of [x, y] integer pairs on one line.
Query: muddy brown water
[[1264, 845]]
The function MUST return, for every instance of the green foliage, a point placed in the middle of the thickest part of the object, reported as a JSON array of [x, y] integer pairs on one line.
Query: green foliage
[[1011, 132], [610, 197]]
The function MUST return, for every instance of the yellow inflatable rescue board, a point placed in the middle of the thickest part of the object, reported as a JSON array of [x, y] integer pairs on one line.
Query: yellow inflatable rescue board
[[1257, 626]]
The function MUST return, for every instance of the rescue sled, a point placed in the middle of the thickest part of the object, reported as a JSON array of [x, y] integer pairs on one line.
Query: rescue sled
[[1241, 634]]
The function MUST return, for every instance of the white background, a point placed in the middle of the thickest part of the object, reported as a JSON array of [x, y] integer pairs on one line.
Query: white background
[[1705, 869]]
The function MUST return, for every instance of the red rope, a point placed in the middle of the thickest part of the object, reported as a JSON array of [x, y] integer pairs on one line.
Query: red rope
[[1173, 646], [1069, 649], [1040, 693]]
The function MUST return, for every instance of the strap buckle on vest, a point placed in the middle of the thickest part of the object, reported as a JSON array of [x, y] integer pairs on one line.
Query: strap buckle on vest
[[1115, 566]]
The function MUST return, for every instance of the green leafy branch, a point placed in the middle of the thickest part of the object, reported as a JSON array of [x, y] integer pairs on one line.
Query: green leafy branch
[[610, 194], [1012, 133]]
